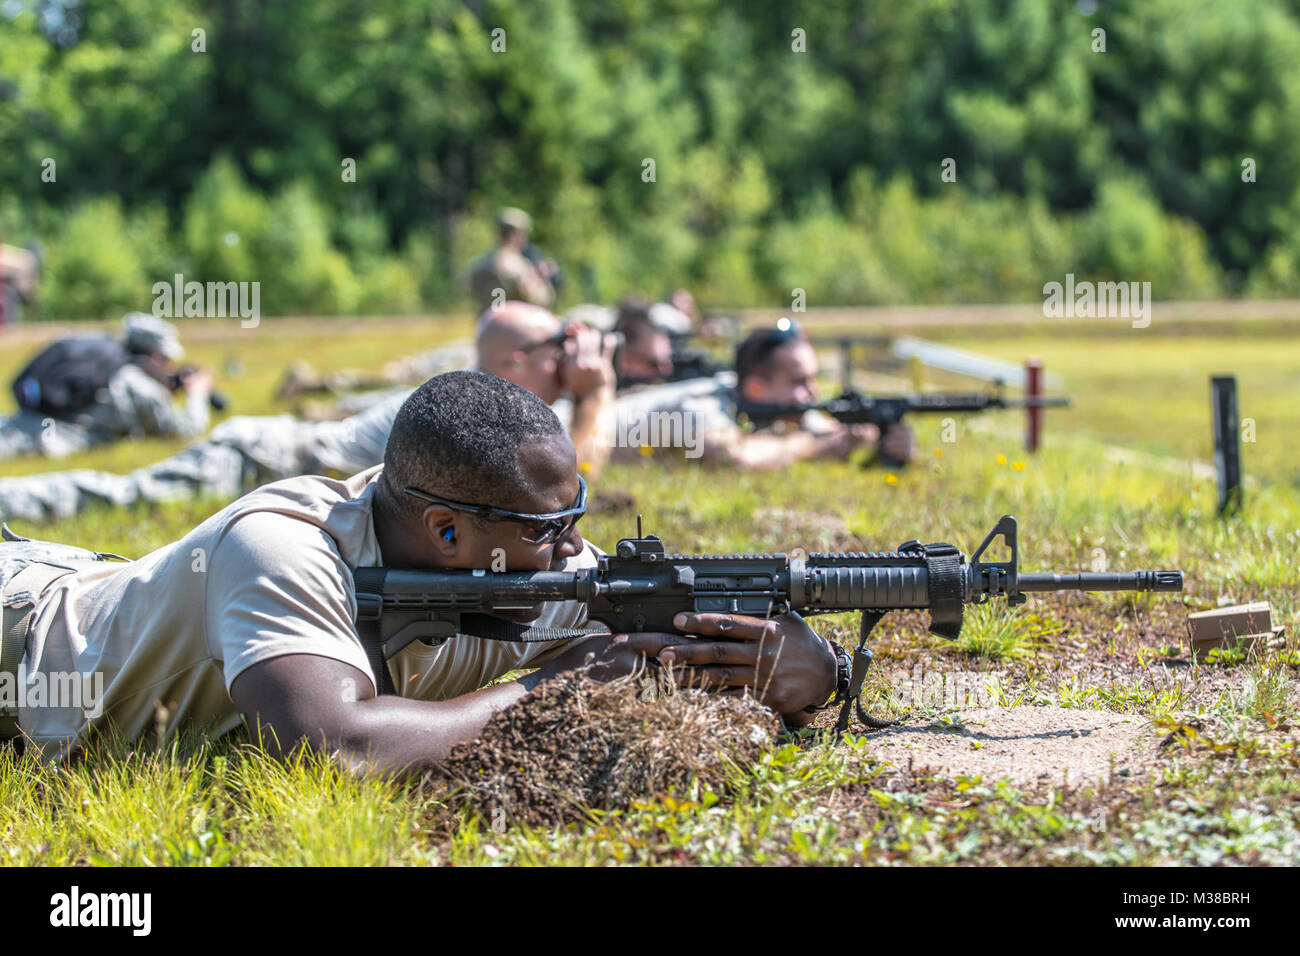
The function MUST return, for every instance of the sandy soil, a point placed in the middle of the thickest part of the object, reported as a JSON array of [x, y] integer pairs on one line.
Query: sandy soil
[[1027, 744]]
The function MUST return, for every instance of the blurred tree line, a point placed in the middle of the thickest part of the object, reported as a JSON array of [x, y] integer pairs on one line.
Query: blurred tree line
[[792, 148]]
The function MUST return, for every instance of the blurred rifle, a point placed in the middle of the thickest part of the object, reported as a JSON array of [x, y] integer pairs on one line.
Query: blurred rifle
[[176, 381], [690, 363], [885, 412]]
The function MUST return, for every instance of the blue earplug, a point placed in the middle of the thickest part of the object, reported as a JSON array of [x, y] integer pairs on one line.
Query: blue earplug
[[448, 534]]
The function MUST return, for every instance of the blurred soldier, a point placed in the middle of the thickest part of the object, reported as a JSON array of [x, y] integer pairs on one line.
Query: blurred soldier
[[529, 346], [569, 367], [645, 356], [774, 367], [655, 347], [514, 270], [19, 271], [83, 391]]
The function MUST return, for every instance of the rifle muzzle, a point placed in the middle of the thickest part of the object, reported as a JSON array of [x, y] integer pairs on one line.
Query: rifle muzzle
[[1092, 581]]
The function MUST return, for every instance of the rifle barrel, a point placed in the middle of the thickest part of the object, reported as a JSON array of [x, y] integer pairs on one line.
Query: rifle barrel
[[1092, 581], [1038, 401]]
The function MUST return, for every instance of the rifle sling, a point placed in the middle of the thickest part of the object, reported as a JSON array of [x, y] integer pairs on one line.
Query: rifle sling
[[947, 589]]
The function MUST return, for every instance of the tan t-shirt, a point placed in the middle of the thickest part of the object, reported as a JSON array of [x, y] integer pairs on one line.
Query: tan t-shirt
[[269, 575]]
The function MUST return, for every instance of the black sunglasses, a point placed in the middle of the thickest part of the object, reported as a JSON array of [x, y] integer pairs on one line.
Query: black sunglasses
[[545, 528], [554, 341]]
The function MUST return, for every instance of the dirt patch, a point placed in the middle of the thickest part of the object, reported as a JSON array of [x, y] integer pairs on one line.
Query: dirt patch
[[574, 744], [1027, 744], [809, 530]]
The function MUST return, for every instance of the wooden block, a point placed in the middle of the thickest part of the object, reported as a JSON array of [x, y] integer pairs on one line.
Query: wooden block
[[1241, 625]]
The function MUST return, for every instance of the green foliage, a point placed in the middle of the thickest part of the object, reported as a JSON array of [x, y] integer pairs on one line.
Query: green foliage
[[775, 168], [234, 233], [389, 287], [1127, 237], [1198, 88], [97, 264], [224, 224]]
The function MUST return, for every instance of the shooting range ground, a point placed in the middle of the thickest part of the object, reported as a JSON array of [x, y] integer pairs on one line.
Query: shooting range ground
[[1114, 668]]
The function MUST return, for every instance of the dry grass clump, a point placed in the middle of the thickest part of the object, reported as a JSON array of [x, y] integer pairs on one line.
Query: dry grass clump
[[574, 744]]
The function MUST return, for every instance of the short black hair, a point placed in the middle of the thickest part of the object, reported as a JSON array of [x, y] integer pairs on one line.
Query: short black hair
[[458, 435], [754, 355], [634, 320]]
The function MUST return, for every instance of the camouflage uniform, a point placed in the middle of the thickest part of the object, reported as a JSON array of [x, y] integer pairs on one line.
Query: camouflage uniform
[[17, 552], [510, 272], [134, 403], [241, 453]]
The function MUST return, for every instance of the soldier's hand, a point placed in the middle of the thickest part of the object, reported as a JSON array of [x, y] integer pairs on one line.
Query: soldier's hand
[[608, 657], [899, 444], [842, 440], [588, 363], [787, 666], [198, 381]]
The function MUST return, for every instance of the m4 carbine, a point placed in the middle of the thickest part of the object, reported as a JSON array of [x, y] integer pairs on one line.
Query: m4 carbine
[[886, 411], [640, 587]]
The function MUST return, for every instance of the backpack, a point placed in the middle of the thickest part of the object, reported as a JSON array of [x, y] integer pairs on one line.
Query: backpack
[[65, 378]]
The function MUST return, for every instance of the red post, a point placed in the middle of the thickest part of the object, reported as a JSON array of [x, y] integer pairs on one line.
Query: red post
[[1034, 390]]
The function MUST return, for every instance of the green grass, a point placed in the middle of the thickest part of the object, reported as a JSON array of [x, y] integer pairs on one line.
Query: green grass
[[1149, 389], [1225, 791], [994, 632]]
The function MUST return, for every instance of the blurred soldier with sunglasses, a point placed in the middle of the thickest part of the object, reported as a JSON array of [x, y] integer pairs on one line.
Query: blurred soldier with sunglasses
[[775, 366], [568, 366]]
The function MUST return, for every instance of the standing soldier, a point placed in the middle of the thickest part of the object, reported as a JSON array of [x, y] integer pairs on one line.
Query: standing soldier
[[19, 271], [514, 269]]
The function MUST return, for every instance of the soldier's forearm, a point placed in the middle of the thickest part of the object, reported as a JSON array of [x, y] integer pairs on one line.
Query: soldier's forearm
[[590, 429], [760, 451], [395, 735]]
